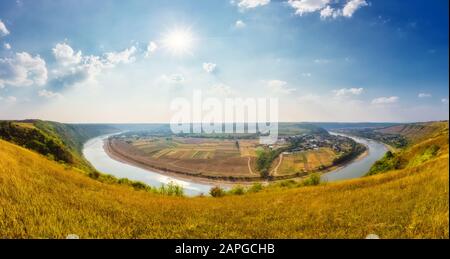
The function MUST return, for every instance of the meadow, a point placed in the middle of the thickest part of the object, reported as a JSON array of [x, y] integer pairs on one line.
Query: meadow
[[40, 198]]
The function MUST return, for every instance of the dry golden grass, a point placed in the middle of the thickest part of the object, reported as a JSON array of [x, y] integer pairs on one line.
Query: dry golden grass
[[40, 198]]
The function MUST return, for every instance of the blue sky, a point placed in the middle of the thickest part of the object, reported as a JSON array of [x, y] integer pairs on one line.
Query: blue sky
[[124, 61]]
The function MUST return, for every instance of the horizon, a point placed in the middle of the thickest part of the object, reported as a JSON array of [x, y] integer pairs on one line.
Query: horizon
[[280, 122], [336, 61]]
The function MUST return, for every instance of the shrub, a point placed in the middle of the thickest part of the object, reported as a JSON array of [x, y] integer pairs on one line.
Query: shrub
[[171, 189], [216, 191], [312, 180], [288, 183], [256, 187], [94, 174], [389, 162], [237, 190], [139, 185]]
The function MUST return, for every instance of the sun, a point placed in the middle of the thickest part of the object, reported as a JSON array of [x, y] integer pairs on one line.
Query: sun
[[178, 41]]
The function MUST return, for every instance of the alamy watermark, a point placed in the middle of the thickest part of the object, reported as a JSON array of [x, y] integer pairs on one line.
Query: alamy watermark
[[229, 115]]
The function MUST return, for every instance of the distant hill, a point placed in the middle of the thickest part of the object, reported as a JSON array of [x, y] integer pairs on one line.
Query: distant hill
[[284, 128], [43, 199], [416, 132], [353, 125], [58, 141]]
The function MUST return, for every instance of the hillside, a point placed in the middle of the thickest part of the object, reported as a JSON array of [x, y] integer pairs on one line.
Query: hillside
[[426, 141], [416, 132], [43, 199], [58, 141]]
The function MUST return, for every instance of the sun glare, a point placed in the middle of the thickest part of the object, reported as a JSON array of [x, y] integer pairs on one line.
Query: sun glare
[[178, 41]]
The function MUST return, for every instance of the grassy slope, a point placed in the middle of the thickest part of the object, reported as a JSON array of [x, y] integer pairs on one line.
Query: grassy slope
[[426, 142], [62, 142], [40, 198], [417, 132]]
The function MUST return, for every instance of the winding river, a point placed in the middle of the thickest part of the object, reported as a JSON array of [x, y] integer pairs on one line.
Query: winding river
[[94, 152]]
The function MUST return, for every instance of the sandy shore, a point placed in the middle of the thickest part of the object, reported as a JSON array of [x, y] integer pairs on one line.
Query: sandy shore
[[111, 152]]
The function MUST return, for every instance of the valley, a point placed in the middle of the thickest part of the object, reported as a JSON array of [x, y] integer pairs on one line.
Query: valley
[[409, 200], [235, 158]]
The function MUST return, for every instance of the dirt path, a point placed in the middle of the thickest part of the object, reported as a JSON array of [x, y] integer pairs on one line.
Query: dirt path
[[275, 170], [249, 166]]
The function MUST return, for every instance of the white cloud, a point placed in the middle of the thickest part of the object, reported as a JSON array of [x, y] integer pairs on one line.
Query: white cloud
[[306, 74], [125, 57], [209, 67], [74, 68], [444, 100], [9, 99], [22, 70], [322, 61], [249, 4], [326, 12], [173, 79], [65, 55], [222, 90], [279, 87], [327, 8], [309, 98], [49, 94], [348, 91], [7, 46], [240, 24], [385, 100], [307, 6], [151, 48], [351, 7], [424, 95], [3, 30]]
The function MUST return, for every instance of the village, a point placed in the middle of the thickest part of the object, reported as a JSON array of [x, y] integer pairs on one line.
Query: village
[[307, 142]]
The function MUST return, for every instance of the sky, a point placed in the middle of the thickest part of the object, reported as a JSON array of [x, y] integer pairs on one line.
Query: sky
[[114, 61]]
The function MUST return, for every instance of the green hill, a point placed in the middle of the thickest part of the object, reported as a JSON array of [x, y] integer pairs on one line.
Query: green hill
[[41, 198], [58, 141]]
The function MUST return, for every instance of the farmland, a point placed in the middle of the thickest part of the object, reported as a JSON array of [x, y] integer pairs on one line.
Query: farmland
[[307, 161], [232, 158], [210, 158]]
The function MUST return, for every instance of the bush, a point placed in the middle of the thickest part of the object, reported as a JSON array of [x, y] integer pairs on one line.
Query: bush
[[237, 190], [139, 185], [256, 187], [94, 174], [389, 162], [216, 191], [171, 189], [312, 180]]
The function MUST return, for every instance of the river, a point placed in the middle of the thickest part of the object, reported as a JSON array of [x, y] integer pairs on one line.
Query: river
[[359, 167], [94, 152]]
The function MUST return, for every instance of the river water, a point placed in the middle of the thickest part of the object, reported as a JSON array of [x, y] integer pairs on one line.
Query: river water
[[358, 167], [94, 152]]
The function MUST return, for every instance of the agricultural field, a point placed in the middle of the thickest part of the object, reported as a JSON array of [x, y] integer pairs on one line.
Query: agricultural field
[[204, 156], [306, 161], [218, 158]]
